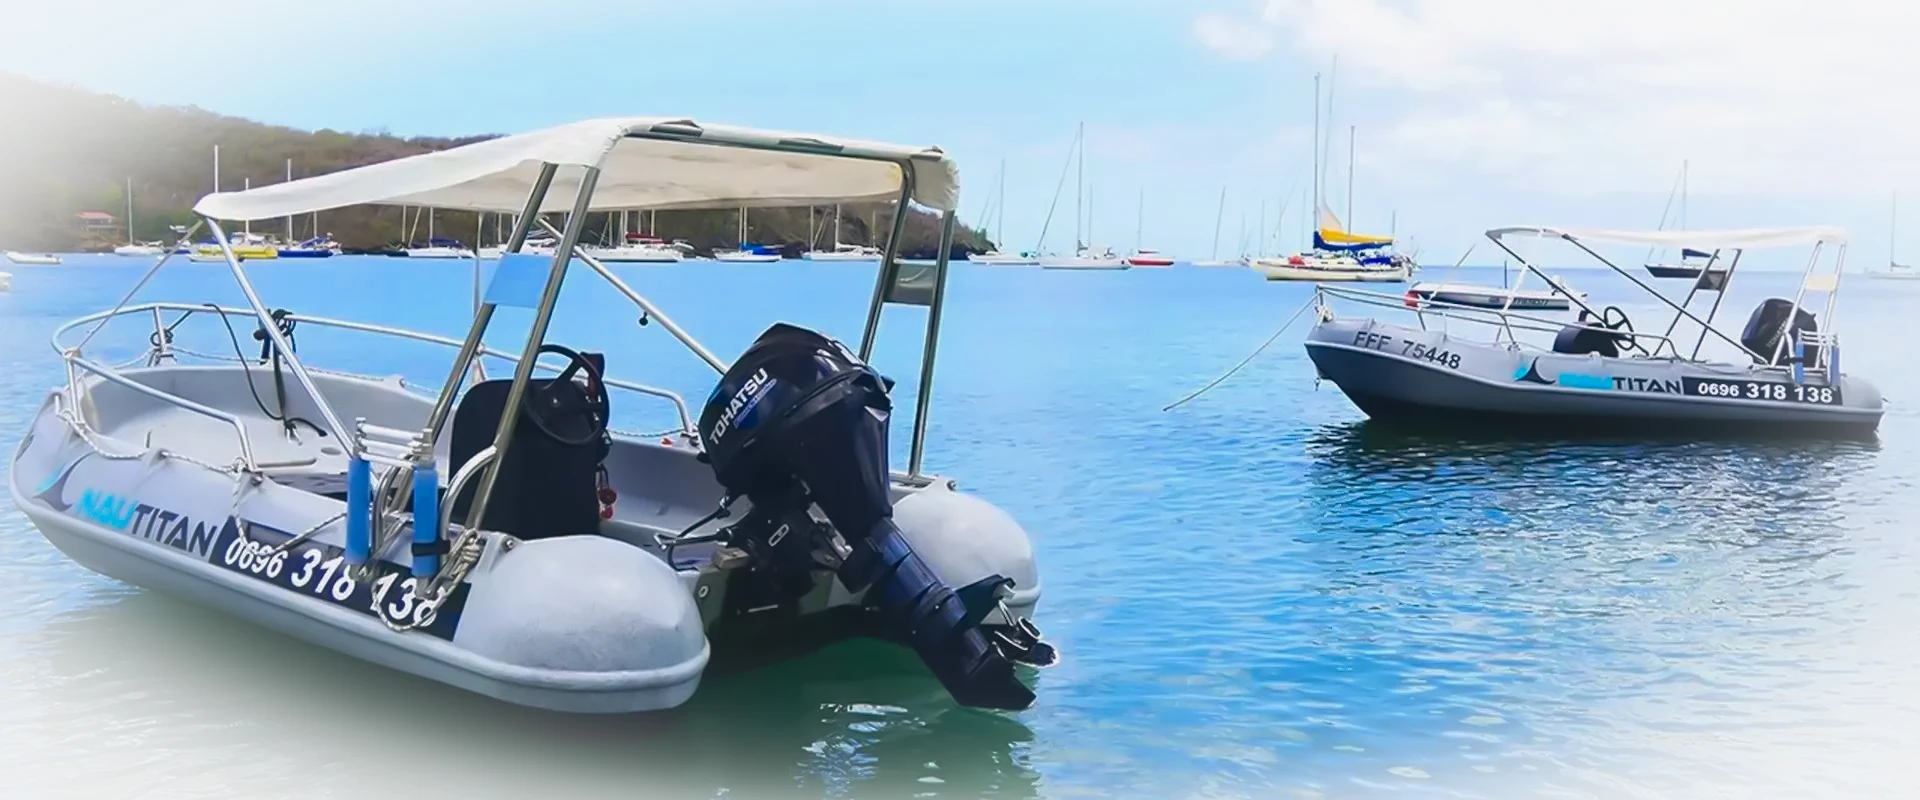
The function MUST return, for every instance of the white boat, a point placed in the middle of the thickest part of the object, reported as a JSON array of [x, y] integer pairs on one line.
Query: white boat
[[1086, 258], [840, 251], [133, 248], [1145, 256], [6, 281], [1328, 268], [1511, 373], [1895, 270], [745, 253], [638, 249], [844, 252], [998, 259], [503, 539], [33, 259], [440, 248], [1215, 262]]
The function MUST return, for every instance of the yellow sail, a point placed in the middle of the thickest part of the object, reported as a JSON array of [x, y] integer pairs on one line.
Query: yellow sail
[[1334, 233]]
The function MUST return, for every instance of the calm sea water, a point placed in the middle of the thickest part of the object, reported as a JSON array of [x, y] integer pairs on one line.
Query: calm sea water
[[1257, 594]]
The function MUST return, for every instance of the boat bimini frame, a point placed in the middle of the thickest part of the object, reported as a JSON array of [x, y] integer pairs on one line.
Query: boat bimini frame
[[1820, 276], [603, 165]]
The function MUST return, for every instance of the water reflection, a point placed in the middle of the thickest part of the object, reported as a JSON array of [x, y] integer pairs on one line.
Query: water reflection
[[196, 694]]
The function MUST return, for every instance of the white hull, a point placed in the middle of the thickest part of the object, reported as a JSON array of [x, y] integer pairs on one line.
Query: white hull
[[1349, 272], [1083, 263], [33, 259], [635, 255], [207, 258], [1003, 260], [138, 250], [840, 256], [1217, 263], [747, 258], [6, 281], [439, 252], [1894, 276]]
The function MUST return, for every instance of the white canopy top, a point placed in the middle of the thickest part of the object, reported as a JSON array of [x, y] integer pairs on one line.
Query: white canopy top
[[1737, 239], [645, 162]]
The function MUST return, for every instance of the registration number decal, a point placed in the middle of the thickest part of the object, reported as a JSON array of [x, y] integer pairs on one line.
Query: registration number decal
[[1773, 391], [320, 571], [1432, 355]]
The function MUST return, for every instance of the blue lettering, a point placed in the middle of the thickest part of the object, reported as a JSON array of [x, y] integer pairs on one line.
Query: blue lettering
[[1575, 380], [106, 509]]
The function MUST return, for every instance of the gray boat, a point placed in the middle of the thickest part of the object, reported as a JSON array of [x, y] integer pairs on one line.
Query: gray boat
[[503, 539], [1598, 374]]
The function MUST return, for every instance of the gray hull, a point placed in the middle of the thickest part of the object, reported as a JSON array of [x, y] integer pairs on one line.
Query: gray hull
[[1404, 374], [603, 623]]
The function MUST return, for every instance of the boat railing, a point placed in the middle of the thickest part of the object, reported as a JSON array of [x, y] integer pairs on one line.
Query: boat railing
[[1501, 320], [160, 344]]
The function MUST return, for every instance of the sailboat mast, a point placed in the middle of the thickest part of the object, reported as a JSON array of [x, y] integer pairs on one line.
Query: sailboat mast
[[1139, 221], [1316, 141], [1260, 233], [1217, 214], [290, 239], [836, 226], [1683, 194], [1893, 229], [1079, 186], [246, 184], [1350, 134], [1000, 225], [129, 209]]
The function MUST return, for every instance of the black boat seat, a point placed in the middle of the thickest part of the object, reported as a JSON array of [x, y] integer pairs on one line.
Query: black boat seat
[[1580, 339], [545, 488]]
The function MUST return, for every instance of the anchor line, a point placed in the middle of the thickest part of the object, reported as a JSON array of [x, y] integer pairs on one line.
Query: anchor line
[[1250, 356]]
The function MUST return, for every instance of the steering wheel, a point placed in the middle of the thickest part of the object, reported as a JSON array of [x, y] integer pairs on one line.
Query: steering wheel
[[1614, 318], [556, 405]]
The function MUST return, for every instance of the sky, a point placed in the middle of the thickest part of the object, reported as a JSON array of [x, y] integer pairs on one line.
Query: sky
[[1463, 114]]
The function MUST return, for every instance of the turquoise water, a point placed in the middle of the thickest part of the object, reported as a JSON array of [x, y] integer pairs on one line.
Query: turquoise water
[[1257, 594]]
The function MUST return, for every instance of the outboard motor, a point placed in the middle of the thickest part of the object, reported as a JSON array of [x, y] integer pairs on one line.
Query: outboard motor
[[799, 421], [1770, 322]]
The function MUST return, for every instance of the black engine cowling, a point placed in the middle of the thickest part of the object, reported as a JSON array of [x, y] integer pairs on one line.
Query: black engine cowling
[[800, 420]]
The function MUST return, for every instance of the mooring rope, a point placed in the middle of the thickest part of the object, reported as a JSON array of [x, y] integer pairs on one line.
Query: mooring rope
[[1250, 356]]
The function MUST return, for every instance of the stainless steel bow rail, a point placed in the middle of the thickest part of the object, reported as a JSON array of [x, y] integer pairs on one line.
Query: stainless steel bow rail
[[161, 348]]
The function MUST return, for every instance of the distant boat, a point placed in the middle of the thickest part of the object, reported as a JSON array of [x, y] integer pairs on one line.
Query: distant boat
[[1142, 256], [317, 247], [1149, 258], [1895, 271], [638, 249], [996, 258], [440, 248], [841, 252], [751, 253], [133, 248], [245, 246], [6, 281], [1086, 258], [33, 259], [844, 252]]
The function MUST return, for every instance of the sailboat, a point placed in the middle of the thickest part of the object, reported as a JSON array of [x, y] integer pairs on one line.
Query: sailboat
[[1895, 271], [746, 252], [1336, 255], [1085, 256], [994, 257], [1692, 261], [840, 251], [438, 247], [133, 248], [1213, 260], [1144, 257]]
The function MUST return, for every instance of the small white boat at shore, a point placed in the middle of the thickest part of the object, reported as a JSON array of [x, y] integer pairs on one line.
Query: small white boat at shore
[[33, 259], [637, 249], [745, 256], [996, 258], [1086, 258], [6, 281]]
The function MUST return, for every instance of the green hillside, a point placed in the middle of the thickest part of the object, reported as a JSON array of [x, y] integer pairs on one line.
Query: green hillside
[[71, 151]]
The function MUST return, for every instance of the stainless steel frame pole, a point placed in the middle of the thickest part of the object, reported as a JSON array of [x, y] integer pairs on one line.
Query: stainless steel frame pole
[[925, 396], [523, 371]]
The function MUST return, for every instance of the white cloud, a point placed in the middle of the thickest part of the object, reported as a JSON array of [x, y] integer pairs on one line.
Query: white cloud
[[1231, 37], [1762, 95]]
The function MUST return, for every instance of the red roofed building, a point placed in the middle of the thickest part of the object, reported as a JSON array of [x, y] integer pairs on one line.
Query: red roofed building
[[96, 222]]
